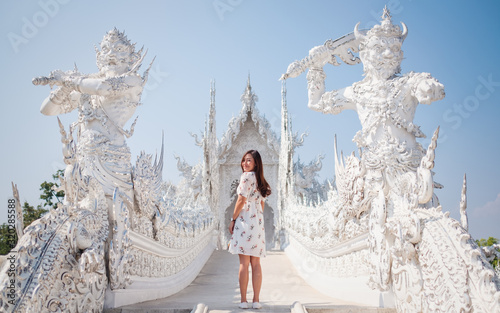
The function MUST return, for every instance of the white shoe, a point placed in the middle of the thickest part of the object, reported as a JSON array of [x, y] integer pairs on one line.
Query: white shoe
[[243, 305], [257, 305]]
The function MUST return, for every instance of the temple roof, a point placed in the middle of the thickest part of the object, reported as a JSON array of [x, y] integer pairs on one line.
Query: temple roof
[[248, 113]]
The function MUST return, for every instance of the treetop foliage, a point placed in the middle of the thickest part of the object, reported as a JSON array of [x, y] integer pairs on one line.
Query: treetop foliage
[[50, 198]]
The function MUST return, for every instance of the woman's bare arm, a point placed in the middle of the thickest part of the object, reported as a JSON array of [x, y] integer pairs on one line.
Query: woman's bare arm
[[237, 209]]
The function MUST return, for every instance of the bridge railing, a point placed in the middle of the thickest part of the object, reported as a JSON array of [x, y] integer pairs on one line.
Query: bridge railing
[[168, 253], [329, 253]]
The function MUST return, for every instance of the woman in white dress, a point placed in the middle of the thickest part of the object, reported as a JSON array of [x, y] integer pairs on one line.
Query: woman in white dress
[[247, 225]]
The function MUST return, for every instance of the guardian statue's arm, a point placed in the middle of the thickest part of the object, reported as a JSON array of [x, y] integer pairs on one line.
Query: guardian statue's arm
[[72, 84], [60, 101], [332, 102], [101, 86], [427, 89]]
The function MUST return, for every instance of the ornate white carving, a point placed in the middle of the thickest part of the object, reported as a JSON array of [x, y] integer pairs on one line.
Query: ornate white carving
[[492, 252], [427, 259], [306, 183], [148, 183], [19, 212], [61, 258], [190, 187], [119, 246], [380, 219], [464, 221], [262, 125], [59, 261]]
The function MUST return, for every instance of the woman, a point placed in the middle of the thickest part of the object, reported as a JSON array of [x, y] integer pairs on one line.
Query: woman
[[247, 225]]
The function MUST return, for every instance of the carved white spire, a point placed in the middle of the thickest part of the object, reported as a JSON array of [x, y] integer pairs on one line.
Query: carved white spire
[[285, 172], [285, 124], [211, 123], [248, 98], [463, 206], [249, 113], [210, 152]]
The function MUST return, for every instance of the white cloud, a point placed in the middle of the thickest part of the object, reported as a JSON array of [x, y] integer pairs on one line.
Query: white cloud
[[490, 209], [484, 221]]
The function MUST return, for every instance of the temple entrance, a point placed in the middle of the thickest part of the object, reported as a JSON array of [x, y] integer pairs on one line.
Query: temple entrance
[[268, 225]]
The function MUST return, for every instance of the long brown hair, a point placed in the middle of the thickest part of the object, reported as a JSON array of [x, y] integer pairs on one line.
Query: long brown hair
[[262, 185]]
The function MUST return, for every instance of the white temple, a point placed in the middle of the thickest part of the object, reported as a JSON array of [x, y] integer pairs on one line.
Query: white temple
[[217, 177], [378, 236]]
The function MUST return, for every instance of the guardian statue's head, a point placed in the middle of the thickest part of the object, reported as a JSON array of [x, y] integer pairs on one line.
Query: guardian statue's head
[[380, 48], [117, 55]]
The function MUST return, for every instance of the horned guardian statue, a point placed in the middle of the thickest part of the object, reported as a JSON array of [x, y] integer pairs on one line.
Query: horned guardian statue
[[409, 237]]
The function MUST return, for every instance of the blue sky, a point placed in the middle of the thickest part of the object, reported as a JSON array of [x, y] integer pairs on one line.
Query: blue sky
[[196, 41]]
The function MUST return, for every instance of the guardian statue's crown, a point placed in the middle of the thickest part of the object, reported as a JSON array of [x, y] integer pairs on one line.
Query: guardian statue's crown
[[115, 35], [385, 29]]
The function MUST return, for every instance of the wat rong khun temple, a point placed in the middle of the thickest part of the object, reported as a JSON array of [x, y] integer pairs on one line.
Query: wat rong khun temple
[[376, 235]]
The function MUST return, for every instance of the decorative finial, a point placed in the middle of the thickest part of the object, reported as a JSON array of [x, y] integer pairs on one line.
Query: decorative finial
[[248, 97], [386, 15], [464, 220], [283, 87], [248, 82], [385, 29]]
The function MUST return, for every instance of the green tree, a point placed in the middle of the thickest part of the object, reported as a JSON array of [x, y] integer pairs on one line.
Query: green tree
[[30, 214], [50, 197], [8, 236], [489, 242]]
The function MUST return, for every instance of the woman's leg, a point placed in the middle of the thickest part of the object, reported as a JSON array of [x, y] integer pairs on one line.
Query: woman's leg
[[256, 277], [243, 276]]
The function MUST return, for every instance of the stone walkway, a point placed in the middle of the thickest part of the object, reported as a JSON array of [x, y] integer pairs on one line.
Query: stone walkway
[[217, 287]]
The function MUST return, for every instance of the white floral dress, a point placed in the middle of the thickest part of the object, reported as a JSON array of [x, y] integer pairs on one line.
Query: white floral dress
[[248, 235]]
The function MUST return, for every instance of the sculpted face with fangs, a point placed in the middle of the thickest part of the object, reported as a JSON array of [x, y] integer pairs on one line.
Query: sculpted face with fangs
[[115, 57], [382, 57], [106, 100]]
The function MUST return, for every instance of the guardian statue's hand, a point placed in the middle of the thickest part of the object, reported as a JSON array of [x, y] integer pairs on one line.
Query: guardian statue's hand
[[429, 90]]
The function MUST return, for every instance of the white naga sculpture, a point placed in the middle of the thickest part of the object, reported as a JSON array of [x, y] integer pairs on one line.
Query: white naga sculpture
[[112, 213], [428, 259]]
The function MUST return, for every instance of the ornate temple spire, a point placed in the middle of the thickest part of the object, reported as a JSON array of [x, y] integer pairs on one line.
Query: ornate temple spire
[[249, 87], [284, 109], [464, 220], [285, 170], [211, 116], [286, 130], [249, 113], [248, 98], [210, 151]]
